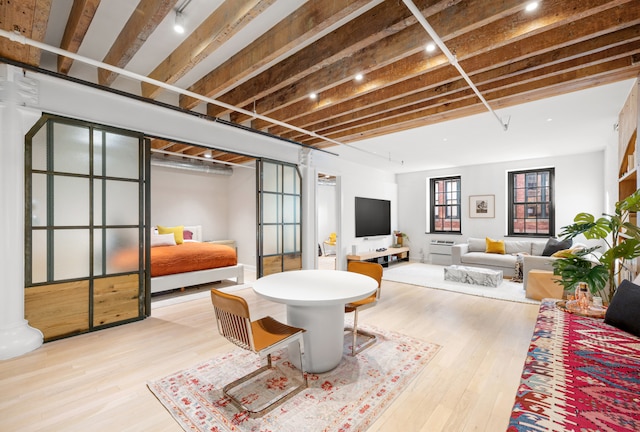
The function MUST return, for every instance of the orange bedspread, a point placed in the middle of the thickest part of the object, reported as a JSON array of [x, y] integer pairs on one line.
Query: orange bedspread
[[183, 258], [190, 256]]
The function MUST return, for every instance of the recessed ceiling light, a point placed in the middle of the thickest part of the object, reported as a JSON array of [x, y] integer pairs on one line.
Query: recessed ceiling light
[[313, 96], [359, 77], [531, 6], [208, 154], [431, 47], [549, 119]]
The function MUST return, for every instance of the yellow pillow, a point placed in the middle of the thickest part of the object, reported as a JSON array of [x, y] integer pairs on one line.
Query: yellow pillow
[[177, 232], [495, 246], [564, 253]]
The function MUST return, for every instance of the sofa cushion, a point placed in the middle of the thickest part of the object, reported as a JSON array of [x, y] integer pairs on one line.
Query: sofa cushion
[[494, 246], [537, 248], [624, 310], [554, 245], [489, 260], [517, 246], [477, 245]]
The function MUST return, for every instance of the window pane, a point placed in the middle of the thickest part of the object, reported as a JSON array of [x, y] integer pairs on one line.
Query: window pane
[[98, 255], [39, 150], [122, 203], [119, 241], [270, 178], [121, 156], [71, 254], [97, 202], [39, 256], [71, 149], [271, 239], [97, 152], [290, 180], [289, 242], [71, 202], [39, 200], [271, 211], [445, 211]]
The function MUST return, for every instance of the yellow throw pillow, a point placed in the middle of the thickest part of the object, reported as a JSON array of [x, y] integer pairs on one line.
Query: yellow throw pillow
[[177, 232], [564, 253], [495, 246]]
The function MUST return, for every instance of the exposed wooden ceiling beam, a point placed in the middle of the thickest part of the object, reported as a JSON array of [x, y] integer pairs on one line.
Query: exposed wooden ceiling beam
[[80, 18], [29, 18], [226, 21], [144, 20]]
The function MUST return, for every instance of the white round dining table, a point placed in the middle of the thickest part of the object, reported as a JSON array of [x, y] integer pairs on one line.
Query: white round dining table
[[315, 301]]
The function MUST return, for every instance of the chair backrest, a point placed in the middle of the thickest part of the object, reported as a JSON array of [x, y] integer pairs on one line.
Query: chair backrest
[[232, 316], [373, 270]]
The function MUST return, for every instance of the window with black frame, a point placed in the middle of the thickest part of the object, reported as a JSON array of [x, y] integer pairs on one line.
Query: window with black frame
[[531, 204], [445, 204]]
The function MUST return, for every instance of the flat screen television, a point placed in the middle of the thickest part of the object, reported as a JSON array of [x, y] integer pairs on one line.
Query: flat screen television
[[373, 217]]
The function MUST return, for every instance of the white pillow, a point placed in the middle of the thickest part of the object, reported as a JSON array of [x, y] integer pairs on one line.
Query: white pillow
[[163, 240]]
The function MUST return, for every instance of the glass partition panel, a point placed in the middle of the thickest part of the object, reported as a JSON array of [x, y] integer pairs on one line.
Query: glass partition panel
[[270, 178], [289, 180], [71, 255], [71, 201], [98, 147], [271, 239], [70, 148], [39, 256], [122, 250], [122, 202], [97, 202], [39, 200], [290, 209], [289, 239], [39, 150], [98, 256], [122, 156], [271, 206]]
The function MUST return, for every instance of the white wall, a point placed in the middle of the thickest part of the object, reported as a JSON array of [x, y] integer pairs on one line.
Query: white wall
[[181, 197], [242, 214], [579, 187]]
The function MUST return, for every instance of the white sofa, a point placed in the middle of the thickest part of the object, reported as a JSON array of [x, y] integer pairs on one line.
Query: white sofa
[[473, 254]]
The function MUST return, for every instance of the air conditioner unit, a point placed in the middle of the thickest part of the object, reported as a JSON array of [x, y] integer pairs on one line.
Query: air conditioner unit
[[440, 251]]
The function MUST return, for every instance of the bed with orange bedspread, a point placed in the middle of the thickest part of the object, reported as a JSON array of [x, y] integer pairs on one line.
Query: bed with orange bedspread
[[193, 263]]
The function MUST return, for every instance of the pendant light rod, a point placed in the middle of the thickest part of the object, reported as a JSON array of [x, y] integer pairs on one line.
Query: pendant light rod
[[16, 37], [452, 58]]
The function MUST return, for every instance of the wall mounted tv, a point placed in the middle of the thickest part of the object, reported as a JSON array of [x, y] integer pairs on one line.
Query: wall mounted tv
[[373, 217]]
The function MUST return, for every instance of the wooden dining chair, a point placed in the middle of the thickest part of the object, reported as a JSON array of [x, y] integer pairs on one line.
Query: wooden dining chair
[[373, 270], [262, 336]]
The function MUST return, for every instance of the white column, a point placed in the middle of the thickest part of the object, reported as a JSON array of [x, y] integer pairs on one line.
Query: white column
[[16, 336], [309, 235]]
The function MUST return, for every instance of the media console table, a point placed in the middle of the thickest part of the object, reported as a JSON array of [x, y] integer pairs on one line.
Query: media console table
[[383, 257]]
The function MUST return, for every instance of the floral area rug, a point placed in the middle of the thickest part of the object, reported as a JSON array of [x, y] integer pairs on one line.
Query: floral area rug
[[432, 276], [580, 375], [348, 398]]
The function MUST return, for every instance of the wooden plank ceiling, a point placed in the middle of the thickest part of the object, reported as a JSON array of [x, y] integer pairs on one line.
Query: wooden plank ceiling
[[512, 56]]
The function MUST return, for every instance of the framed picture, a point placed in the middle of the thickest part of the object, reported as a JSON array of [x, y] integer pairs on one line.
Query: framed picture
[[482, 206]]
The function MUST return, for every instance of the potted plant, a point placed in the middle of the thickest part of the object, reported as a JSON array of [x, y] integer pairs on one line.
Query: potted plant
[[622, 238], [400, 237]]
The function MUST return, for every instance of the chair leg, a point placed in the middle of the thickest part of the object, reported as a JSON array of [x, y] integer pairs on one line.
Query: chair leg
[[355, 332], [273, 403]]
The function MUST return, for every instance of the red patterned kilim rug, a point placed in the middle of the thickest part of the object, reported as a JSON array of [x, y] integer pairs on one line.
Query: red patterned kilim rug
[[348, 398], [580, 375]]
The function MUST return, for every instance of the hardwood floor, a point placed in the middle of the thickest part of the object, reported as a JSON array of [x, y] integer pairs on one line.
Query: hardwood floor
[[97, 381]]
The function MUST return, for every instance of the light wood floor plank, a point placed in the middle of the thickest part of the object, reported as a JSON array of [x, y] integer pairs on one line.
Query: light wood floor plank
[[97, 381]]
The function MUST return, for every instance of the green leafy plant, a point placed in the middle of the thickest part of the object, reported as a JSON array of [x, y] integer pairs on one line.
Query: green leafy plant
[[622, 238]]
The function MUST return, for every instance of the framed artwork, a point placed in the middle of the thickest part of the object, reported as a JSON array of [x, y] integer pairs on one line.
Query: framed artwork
[[482, 206]]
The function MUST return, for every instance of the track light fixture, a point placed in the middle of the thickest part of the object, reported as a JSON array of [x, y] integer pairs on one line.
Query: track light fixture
[[178, 25]]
